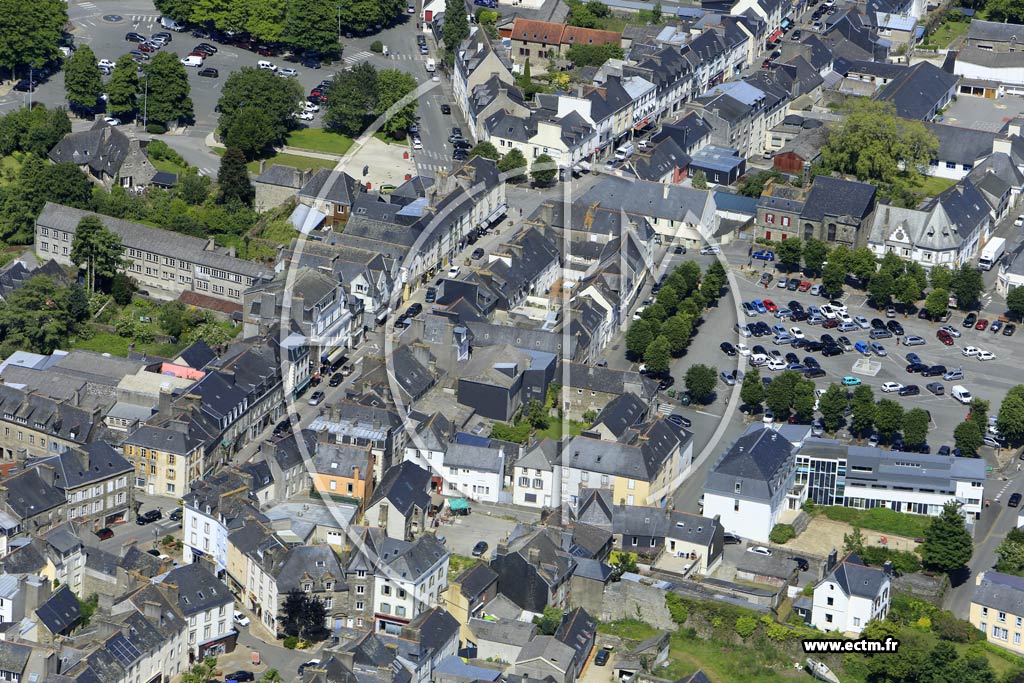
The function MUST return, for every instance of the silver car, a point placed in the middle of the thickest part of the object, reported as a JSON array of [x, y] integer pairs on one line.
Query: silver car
[[878, 349]]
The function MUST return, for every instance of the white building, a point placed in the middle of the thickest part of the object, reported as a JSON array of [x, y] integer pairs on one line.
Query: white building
[[409, 579], [474, 472], [850, 596], [208, 605], [749, 486], [537, 476]]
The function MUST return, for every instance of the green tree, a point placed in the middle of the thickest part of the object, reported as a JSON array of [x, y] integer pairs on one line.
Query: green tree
[[353, 99], [968, 438], [862, 416], [833, 404], [544, 170], [833, 277], [394, 85], [919, 273], [312, 25], [967, 285], [668, 297], [303, 616], [1015, 302], [456, 26], [256, 109], [947, 545], [549, 621], [657, 356], [788, 253], [233, 179], [592, 55], [123, 88], [678, 329], [513, 165], [862, 263], [882, 287], [30, 32], [193, 187], [699, 181], [915, 426], [803, 401], [622, 563], [639, 336], [83, 83], [1010, 421], [38, 317], [936, 302], [485, 149], [1011, 553], [878, 146], [752, 390], [656, 12], [888, 418], [978, 413], [779, 395], [536, 414], [97, 248], [266, 20], [168, 99], [271, 676], [907, 290], [892, 264], [815, 254], [700, 381], [179, 10], [853, 542], [201, 672], [941, 277]]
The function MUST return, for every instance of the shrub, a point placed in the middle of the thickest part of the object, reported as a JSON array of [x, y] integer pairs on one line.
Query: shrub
[[158, 149], [676, 607], [745, 626], [291, 642], [946, 626], [377, 46], [781, 533], [156, 128]]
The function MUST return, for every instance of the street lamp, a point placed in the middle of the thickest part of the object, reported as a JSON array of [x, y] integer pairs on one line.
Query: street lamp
[[339, 23], [145, 102], [31, 87]]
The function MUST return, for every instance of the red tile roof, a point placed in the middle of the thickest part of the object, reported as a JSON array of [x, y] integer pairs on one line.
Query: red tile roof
[[530, 31]]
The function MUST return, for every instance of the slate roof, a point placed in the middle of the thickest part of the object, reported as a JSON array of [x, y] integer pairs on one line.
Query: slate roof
[[412, 560], [479, 458], [475, 580], [684, 526], [837, 197], [60, 612], [98, 461], [29, 495], [1002, 592], [857, 579], [44, 414], [577, 630], [543, 456], [333, 186], [342, 460], [14, 657], [436, 628], [995, 32], [961, 145], [757, 460], [649, 199], [621, 413], [314, 561], [102, 148], [658, 443], [404, 486], [550, 649], [411, 374], [915, 93], [506, 631], [198, 589]]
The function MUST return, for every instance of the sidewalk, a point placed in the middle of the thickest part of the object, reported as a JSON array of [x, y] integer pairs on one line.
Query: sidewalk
[[518, 513]]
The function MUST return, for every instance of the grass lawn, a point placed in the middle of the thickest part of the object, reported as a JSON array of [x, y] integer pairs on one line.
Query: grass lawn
[[630, 629], [169, 166], [104, 342], [554, 429], [404, 142], [947, 32], [726, 662], [8, 163], [459, 563], [881, 520], [319, 140], [293, 160], [932, 185]]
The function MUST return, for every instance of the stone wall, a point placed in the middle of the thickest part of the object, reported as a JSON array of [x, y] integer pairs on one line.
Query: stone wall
[[632, 600]]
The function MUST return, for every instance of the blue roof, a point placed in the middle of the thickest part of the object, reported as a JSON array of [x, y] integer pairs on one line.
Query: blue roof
[[414, 208], [472, 439], [454, 666], [727, 201], [717, 159]]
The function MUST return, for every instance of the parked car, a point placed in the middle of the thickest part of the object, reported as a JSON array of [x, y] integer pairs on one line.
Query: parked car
[[910, 390], [316, 398], [850, 381], [176, 515], [936, 388], [731, 539], [480, 549], [705, 251], [241, 676], [1014, 500], [105, 533], [970, 320], [764, 255], [148, 517], [601, 658], [241, 619], [759, 550], [306, 665], [913, 340], [208, 72]]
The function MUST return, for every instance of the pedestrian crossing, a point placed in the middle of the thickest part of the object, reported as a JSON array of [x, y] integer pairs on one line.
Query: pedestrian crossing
[[87, 5], [420, 167], [352, 60], [144, 18]]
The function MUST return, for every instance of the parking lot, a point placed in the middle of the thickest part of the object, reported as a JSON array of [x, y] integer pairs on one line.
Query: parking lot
[[989, 380]]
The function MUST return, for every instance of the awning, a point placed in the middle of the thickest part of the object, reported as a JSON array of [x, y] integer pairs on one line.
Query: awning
[[332, 356], [497, 214], [775, 36], [584, 165], [458, 504], [640, 124]]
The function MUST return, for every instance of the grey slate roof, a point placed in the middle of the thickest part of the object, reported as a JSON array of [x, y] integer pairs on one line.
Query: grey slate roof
[[650, 199], [71, 471], [475, 580], [506, 631], [837, 197], [14, 657], [341, 188], [29, 495], [961, 145], [994, 31], [1003, 592], [856, 579], [916, 93], [60, 612], [102, 148], [405, 486], [556, 653], [198, 589], [478, 458], [312, 560], [757, 460], [684, 526]]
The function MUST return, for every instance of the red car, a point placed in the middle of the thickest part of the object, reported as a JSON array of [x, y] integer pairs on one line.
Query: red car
[[770, 305], [146, 47], [982, 324], [945, 337], [830, 323], [105, 533], [804, 286]]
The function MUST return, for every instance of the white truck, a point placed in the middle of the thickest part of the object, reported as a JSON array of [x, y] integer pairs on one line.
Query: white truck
[[991, 253], [624, 152], [431, 66]]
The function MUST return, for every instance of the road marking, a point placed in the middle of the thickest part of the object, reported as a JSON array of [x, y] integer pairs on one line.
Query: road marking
[[701, 412], [357, 57]]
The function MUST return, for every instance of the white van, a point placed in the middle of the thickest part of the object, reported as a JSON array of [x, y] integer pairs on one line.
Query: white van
[[265, 65], [192, 60], [431, 65], [172, 24], [961, 394], [624, 152]]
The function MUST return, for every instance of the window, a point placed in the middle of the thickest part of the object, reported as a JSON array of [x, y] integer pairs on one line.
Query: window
[[360, 590], [399, 610], [984, 612], [1016, 639], [631, 484], [830, 601], [785, 222], [828, 618], [736, 505], [385, 590], [307, 587], [385, 608], [1002, 617], [328, 603], [360, 604], [329, 585], [1000, 633], [769, 218], [856, 621]]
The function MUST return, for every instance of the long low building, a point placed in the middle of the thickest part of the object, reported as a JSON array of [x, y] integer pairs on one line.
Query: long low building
[[164, 263], [864, 477]]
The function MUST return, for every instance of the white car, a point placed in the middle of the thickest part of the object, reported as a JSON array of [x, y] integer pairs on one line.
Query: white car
[[266, 66], [241, 619], [769, 417], [287, 73], [776, 364], [953, 332], [705, 251], [986, 355], [970, 351], [890, 387], [453, 272], [1019, 221], [828, 312], [311, 106], [862, 322], [411, 9], [417, 144], [844, 317], [796, 333], [105, 63], [759, 550], [304, 115], [743, 349], [111, 121]]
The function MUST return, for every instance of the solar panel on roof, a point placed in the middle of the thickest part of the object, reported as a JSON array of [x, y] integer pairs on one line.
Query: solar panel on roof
[[123, 650]]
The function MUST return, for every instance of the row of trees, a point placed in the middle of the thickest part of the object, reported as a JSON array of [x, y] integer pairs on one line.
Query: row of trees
[[666, 326], [162, 94], [306, 24], [363, 93]]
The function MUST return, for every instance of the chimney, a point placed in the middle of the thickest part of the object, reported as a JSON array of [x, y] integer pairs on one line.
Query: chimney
[[833, 560], [1001, 144], [263, 165], [166, 396], [887, 568], [533, 556], [664, 191], [46, 473], [151, 610], [1013, 128]]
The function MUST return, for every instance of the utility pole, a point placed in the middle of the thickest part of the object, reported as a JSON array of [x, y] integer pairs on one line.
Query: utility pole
[[145, 103], [31, 85], [339, 23]]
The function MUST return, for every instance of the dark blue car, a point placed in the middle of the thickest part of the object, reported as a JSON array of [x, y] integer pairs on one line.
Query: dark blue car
[[764, 255]]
